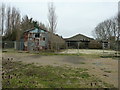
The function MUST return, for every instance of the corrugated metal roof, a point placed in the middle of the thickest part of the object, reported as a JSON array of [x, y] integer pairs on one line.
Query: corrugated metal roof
[[35, 29]]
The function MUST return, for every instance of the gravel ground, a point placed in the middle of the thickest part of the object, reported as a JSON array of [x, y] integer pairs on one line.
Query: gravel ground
[[104, 68]]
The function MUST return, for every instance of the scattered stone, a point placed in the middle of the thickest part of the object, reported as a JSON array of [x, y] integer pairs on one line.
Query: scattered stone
[[20, 81], [3, 73], [11, 58], [105, 75], [8, 82], [91, 84], [2, 77], [95, 84], [10, 76], [14, 74]]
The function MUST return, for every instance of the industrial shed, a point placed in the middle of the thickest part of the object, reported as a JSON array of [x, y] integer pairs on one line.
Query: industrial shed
[[79, 41]]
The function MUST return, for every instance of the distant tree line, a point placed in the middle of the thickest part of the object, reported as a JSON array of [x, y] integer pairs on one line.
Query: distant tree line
[[108, 30], [12, 24]]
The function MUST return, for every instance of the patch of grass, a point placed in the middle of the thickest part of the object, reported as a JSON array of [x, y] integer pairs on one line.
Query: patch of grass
[[39, 53], [110, 56], [9, 50], [61, 54], [19, 75], [82, 62], [108, 71], [107, 85]]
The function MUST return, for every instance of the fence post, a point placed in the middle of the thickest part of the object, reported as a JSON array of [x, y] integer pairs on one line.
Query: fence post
[[103, 47], [117, 48], [15, 45], [66, 47], [78, 48]]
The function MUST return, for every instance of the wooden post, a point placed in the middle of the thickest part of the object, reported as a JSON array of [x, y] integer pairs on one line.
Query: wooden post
[[66, 46], [78, 48], [103, 47], [117, 48], [15, 45]]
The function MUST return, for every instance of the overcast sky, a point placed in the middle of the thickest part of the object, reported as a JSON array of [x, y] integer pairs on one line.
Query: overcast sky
[[74, 17]]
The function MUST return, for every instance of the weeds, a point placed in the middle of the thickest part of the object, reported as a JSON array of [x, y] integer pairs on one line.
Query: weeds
[[19, 75], [108, 71], [82, 62]]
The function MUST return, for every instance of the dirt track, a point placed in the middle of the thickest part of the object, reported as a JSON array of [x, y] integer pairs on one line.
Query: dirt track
[[104, 68]]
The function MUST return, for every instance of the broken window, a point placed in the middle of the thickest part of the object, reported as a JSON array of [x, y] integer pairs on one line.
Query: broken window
[[43, 38], [30, 35], [37, 35]]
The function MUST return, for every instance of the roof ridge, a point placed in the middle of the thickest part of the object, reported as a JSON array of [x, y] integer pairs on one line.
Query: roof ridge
[[79, 36]]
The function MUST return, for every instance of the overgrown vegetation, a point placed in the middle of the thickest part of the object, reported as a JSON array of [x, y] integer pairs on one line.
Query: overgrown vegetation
[[108, 71], [19, 75]]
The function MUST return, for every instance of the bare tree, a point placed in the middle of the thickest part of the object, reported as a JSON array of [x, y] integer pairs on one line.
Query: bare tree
[[11, 20], [107, 30], [2, 18], [17, 24], [13, 17], [52, 19], [118, 32], [8, 19], [43, 26], [114, 26], [100, 32]]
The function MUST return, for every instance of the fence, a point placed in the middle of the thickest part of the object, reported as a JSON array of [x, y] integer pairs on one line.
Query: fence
[[58, 46], [12, 45]]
